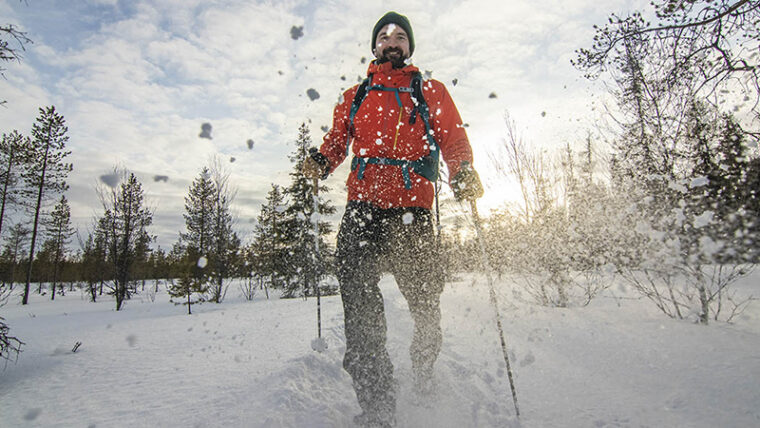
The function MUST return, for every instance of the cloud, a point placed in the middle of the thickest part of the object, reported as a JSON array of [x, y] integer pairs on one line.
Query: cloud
[[134, 81]]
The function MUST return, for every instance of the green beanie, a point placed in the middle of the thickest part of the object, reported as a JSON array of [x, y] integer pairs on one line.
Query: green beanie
[[401, 21]]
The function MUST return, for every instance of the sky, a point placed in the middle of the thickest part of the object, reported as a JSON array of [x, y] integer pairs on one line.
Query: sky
[[136, 80]]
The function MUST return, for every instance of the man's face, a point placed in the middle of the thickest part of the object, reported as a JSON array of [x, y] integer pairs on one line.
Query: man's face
[[392, 44]]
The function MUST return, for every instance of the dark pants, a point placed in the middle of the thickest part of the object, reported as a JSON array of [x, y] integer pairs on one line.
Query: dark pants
[[400, 241]]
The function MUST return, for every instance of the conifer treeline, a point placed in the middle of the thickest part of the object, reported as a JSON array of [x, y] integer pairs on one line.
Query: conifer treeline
[[117, 256]]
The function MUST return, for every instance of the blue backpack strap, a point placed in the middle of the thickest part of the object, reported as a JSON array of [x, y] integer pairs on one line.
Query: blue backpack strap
[[428, 165], [406, 167], [361, 93]]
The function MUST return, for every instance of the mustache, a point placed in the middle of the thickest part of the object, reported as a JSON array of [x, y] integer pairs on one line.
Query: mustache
[[392, 50]]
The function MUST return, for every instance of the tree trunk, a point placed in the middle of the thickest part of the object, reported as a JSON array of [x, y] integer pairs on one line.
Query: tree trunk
[[704, 316], [38, 207], [5, 189]]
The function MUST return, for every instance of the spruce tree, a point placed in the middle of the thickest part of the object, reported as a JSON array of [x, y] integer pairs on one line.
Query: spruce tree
[[305, 266], [189, 281], [225, 247], [45, 172], [126, 220], [14, 252], [199, 207], [268, 248], [88, 265], [59, 231]]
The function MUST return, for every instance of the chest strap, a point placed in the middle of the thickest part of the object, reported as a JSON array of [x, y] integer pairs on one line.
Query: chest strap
[[425, 166]]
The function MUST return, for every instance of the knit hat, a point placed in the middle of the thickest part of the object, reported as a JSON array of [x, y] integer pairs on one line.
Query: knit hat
[[401, 21]]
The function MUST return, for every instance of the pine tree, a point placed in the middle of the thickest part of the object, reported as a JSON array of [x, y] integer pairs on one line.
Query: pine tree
[[45, 172], [305, 267], [59, 231], [12, 148]]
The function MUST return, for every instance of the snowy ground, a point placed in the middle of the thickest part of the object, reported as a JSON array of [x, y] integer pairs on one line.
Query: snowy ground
[[615, 363]]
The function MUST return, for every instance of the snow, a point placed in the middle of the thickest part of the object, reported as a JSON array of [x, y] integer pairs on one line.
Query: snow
[[408, 218], [617, 362]]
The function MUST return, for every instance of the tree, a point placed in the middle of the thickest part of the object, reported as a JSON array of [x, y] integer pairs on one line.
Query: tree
[[305, 267], [59, 231], [711, 43], [268, 249], [89, 263], [126, 219], [199, 207], [12, 148], [13, 253], [554, 243], [189, 281], [45, 172], [12, 42], [9, 345], [685, 251], [225, 248]]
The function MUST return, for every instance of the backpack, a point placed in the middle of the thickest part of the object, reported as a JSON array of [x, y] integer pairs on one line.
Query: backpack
[[427, 166]]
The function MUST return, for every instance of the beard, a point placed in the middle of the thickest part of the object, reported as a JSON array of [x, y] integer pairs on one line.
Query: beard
[[395, 56]]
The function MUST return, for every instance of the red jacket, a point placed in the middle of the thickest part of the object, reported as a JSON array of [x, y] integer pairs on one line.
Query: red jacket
[[381, 130]]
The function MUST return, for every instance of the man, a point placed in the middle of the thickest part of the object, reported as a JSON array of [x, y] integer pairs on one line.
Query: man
[[387, 224]]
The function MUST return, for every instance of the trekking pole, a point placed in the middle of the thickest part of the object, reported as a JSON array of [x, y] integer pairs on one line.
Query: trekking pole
[[319, 343], [494, 302]]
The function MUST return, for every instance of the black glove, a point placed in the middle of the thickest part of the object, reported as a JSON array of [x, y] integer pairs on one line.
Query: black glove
[[466, 184], [316, 165]]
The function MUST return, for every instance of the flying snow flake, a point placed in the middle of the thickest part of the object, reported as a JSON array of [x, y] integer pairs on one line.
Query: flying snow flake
[[543, 114], [250, 144], [158, 178], [379, 141], [232, 159], [110, 180], [343, 77], [492, 95], [325, 129], [709, 247], [362, 152], [703, 219], [698, 182], [313, 94], [679, 216], [301, 216], [205, 131], [132, 340], [428, 74], [407, 218], [202, 262], [32, 414], [364, 59], [296, 32], [678, 187], [454, 82]]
